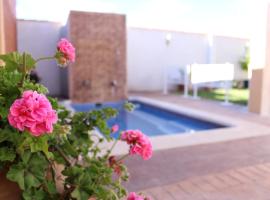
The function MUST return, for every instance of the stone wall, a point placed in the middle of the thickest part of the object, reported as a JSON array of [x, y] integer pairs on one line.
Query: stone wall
[[99, 73]]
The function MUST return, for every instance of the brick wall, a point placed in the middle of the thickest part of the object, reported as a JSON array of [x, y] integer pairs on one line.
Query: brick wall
[[100, 42]]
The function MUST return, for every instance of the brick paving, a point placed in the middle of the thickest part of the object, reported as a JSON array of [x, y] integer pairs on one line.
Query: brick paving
[[232, 170], [247, 183], [174, 165]]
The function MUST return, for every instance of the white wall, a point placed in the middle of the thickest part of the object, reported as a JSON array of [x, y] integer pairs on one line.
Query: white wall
[[40, 38], [148, 54], [227, 49]]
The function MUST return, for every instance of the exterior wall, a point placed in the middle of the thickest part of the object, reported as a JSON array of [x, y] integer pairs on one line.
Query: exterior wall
[[148, 55], [8, 42], [259, 100], [265, 82], [100, 42], [40, 39], [227, 49]]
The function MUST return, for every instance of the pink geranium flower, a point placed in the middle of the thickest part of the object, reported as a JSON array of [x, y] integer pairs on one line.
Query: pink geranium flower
[[139, 143], [33, 112], [134, 196], [67, 50], [114, 128]]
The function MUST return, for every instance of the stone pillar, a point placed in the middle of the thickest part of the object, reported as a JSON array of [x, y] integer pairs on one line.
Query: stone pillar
[[99, 73]]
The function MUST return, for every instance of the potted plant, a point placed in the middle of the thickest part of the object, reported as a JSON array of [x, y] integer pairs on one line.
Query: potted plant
[[46, 152]]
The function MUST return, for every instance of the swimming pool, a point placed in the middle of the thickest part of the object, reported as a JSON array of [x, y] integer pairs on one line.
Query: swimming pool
[[152, 120]]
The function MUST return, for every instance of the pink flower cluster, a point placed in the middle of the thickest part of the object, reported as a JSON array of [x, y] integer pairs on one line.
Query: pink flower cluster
[[139, 143], [33, 112], [114, 128], [67, 50], [134, 196]]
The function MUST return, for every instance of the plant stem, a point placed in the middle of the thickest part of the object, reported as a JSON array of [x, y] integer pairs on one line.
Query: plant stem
[[122, 158], [24, 70], [45, 58], [63, 155], [51, 165], [112, 147]]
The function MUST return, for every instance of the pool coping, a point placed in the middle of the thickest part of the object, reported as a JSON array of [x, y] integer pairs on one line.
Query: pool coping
[[237, 128]]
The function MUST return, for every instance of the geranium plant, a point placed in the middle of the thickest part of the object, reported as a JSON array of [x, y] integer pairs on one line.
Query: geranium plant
[[52, 153]]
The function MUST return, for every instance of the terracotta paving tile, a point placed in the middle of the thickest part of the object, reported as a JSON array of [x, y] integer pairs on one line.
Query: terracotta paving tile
[[228, 180], [232, 170], [176, 192], [267, 165], [189, 187], [215, 182], [242, 177], [257, 171], [264, 168], [159, 193], [265, 183], [248, 173], [260, 170], [193, 191], [246, 183], [203, 184]]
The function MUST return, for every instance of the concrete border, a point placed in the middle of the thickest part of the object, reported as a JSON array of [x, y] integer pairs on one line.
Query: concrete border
[[239, 129]]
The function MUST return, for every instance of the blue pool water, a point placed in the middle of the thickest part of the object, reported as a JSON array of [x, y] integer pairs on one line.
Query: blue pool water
[[151, 120]]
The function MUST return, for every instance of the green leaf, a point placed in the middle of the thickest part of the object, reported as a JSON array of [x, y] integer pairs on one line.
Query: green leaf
[[34, 194], [29, 62], [30, 172], [16, 174], [51, 187], [9, 135], [53, 102], [72, 171], [7, 154], [80, 194], [36, 144], [12, 60], [31, 181], [4, 135], [37, 165], [26, 157], [68, 148], [129, 106], [28, 85]]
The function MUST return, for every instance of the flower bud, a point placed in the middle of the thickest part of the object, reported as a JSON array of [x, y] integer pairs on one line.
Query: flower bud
[[2, 64]]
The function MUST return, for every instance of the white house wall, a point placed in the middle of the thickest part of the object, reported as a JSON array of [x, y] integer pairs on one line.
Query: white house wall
[[40, 38], [227, 49], [147, 53]]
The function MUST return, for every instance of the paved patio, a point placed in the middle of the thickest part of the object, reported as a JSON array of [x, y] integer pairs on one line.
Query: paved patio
[[249, 183], [231, 170]]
